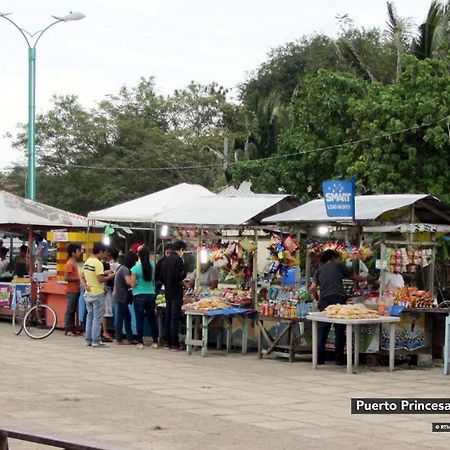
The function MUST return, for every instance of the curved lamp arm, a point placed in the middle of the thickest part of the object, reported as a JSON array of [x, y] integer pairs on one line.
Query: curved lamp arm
[[20, 29]]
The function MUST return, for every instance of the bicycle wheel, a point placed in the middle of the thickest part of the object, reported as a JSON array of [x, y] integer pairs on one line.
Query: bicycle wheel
[[17, 318], [40, 321]]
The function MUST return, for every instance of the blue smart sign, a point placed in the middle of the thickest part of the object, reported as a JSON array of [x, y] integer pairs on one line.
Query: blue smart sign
[[339, 196]]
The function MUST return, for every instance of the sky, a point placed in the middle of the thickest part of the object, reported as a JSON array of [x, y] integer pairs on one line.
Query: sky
[[175, 41]]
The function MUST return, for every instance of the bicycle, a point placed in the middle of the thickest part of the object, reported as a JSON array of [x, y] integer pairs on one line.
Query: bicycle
[[39, 320]]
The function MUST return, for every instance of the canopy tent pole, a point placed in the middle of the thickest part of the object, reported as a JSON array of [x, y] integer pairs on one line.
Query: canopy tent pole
[[30, 251], [297, 259], [307, 265], [254, 285], [197, 263], [155, 229]]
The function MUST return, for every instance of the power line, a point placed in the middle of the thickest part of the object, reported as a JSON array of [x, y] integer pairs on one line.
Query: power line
[[253, 161]]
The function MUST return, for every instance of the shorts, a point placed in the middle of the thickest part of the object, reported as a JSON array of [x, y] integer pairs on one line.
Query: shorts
[[108, 304]]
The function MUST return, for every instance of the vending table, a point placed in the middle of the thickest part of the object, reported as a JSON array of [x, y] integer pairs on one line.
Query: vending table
[[227, 316], [275, 343], [317, 317]]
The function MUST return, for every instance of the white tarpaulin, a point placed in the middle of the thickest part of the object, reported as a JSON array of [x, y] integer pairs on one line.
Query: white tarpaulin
[[409, 228], [145, 209], [15, 210], [220, 211], [367, 207]]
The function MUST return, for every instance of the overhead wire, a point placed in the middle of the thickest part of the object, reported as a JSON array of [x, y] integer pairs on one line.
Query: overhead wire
[[253, 161]]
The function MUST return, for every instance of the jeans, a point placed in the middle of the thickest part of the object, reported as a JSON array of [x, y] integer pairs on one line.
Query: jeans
[[123, 316], [95, 306], [172, 319], [324, 329], [145, 306], [71, 309]]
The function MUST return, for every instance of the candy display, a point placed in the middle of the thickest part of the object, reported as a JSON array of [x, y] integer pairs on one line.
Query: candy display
[[350, 312], [411, 297], [406, 260]]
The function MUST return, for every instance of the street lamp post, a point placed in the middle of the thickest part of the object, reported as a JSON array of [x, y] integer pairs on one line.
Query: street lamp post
[[32, 40]]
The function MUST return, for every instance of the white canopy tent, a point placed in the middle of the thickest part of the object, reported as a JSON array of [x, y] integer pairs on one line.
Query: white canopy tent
[[17, 211], [223, 211], [367, 208], [145, 209]]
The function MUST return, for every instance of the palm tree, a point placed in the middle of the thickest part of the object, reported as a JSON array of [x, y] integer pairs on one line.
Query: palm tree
[[434, 33], [400, 32]]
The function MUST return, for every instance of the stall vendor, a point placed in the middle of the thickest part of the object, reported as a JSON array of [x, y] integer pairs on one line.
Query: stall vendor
[[329, 278], [4, 262], [209, 277], [393, 281], [20, 263]]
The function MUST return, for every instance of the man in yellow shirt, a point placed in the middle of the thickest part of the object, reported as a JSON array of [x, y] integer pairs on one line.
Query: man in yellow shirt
[[93, 278]]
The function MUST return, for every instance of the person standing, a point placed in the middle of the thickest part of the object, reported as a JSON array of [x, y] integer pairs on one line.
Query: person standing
[[329, 278], [20, 264], [143, 284], [72, 276], [94, 278], [41, 252], [209, 277], [109, 264], [168, 250], [171, 275], [4, 262], [123, 297]]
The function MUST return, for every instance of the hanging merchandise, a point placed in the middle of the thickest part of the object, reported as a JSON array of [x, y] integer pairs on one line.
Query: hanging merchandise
[[346, 251], [406, 260], [234, 259], [282, 251]]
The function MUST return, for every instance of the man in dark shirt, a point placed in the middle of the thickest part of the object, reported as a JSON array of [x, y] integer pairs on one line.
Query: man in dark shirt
[[171, 274], [168, 250], [329, 277]]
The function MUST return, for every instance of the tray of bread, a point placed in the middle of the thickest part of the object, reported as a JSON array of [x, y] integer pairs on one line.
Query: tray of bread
[[357, 311]]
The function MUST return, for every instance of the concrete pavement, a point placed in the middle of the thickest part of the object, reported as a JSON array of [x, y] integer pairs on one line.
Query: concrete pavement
[[157, 399]]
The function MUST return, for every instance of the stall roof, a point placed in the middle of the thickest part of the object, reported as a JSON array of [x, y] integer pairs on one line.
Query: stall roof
[[371, 208], [15, 210], [224, 211], [245, 190], [146, 208]]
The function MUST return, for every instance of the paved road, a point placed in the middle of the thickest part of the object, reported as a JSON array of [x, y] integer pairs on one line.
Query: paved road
[[157, 399]]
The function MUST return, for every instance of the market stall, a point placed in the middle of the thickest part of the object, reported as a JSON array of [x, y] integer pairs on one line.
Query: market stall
[[404, 230], [23, 217], [228, 213], [184, 207]]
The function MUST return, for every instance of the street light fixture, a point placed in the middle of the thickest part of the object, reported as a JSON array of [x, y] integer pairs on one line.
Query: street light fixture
[[32, 39]]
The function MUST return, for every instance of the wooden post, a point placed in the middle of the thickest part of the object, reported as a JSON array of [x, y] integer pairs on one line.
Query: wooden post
[[432, 269], [4, 437]]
